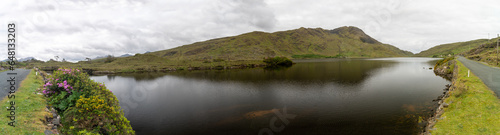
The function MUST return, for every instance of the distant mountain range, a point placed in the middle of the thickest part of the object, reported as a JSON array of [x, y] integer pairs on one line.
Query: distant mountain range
[[124, 55], [20, 59], [99, 57]]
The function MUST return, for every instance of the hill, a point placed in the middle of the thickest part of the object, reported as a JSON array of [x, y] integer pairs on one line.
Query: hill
[[247, 50], [343, 41], [451, 48], [485, 53]]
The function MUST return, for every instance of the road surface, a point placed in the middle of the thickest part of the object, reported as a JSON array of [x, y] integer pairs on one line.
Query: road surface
[[489, 75], [5, 86]]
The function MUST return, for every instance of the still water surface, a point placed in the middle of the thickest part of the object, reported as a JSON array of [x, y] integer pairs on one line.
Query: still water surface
[[327, 96]]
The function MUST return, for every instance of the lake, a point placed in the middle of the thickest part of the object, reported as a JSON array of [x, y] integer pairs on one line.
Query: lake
[[323, 96]]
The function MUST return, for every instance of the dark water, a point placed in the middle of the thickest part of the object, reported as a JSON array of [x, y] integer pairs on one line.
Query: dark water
[[352, 96]]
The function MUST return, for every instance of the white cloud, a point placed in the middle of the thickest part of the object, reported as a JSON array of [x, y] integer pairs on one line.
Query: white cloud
[[77, 29]]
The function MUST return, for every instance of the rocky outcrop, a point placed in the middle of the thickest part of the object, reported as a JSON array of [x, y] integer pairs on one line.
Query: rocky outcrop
[[445, 69]]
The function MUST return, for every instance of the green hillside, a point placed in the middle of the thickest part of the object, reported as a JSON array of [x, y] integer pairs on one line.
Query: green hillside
[[343, 41], [451, 48], [485, 53], [247, 50]]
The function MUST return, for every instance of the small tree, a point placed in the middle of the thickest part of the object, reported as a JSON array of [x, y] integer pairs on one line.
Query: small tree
[[109, 59], [57, 57]]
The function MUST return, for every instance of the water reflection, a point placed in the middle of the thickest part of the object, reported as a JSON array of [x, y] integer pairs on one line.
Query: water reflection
[[356, 96]]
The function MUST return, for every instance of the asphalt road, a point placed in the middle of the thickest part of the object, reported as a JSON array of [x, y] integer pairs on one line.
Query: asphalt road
[[5, 86], [489, 75]]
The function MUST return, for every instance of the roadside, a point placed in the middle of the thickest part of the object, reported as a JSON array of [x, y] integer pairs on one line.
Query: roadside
[[4, 85], [30, 106], [489, 75], [469, 107]]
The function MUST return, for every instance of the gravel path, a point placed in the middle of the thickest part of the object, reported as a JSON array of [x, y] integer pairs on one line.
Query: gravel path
[[4, 85], [489, 75]]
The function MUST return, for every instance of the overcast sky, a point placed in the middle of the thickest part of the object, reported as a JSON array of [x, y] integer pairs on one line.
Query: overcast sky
[[77, 29]]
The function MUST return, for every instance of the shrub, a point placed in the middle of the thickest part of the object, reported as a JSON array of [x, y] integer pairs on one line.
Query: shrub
[[218, 60], [109, 59], [85, 106], [278, 61]]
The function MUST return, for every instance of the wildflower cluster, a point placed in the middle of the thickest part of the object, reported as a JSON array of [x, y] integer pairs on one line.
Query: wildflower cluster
[[69, 71], [84, 105], [93, 104], [49, 88]]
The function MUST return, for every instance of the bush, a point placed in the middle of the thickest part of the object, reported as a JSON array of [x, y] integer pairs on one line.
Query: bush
[[84, 105], [278, 61], [109, 59]]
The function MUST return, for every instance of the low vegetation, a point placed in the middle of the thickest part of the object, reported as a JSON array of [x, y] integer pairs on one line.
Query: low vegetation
[[473, 107], [30, 108], [486, 53], [278, 61], [85, 106]]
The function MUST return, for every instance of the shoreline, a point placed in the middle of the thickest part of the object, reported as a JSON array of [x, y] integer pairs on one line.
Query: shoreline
[[468, 106]]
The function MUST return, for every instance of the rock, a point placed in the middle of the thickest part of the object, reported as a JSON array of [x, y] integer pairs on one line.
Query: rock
[[56, 120], [48, 132], [445, 104]]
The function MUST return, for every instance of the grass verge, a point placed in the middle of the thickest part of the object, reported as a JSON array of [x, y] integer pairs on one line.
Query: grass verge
[[29, 108], [473, 109]]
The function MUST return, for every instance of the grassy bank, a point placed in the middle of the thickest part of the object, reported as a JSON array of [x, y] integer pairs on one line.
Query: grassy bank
[[29, 108], [148, 63], [473, 109]]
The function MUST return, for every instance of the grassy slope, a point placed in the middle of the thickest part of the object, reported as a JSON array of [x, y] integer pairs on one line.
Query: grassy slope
[[486, 53], [474, 108], [349, 41], [451, 48], [29, 108], [251, 48]]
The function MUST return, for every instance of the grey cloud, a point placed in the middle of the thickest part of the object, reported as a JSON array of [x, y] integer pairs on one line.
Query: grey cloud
[[236, 12], [77, 29]]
